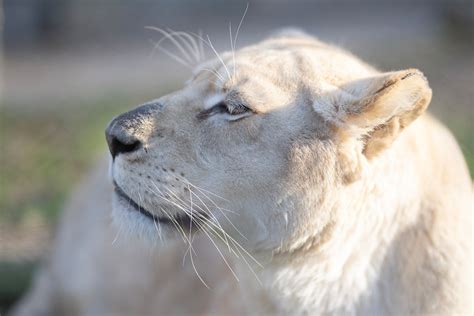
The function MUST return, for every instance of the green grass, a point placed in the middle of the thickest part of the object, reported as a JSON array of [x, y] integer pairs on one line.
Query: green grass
[[45, 153], [465, 136]]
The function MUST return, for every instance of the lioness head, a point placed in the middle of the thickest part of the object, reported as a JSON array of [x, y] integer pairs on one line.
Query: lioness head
[[259, 143]]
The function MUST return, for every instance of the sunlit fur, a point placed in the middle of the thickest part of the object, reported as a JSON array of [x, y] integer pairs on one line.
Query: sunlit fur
[[335, 196]]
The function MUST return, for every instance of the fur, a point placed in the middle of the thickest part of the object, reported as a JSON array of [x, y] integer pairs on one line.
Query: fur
[[338, 195]]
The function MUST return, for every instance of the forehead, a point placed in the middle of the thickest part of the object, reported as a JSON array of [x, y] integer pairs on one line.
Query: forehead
[[274, 71]]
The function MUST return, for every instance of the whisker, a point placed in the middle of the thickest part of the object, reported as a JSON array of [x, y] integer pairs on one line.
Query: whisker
[[190, 248], [191, 251], [158, 229], [176, 225], [191, 43], [222, 256], [232, 49], [203, 190], [191, 215], [170, 54], [219, 208], [240, 24], [219, 57], [116, 237], [217, 232], [196, 271], [200, 43], [172, 39], [208, 210], [221, 79], [214, 229], [250, 268], [241, 255], [214, 223], [210, 213]]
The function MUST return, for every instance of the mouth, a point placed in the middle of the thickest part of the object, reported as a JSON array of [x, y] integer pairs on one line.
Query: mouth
[[182, 220]]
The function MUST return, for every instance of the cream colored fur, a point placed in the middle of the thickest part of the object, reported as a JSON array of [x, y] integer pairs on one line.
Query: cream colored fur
[[352, 201]]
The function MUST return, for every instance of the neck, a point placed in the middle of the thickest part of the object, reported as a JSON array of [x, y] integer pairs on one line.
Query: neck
[[335, 274]]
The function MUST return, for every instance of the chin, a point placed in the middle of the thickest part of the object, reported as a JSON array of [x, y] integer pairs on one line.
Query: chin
[[133, 224]]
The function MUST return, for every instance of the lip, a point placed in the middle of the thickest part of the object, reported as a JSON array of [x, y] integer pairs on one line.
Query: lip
[[183, 220]]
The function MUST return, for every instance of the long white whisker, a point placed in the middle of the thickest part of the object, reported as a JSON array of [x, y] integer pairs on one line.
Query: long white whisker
[[158, 229], [201, 47], [191, 215], [209, 224], [241, 255], [228, 237], [116, 237], [172, 219], [240, 24], [209, 44], [222, 256], [217, 232], [170, 54], [215, 73], [191, 43], [190, 248], [232, 49], [214, 218], [203, 190], [250, 267], [191, 251], [219, 208], [172, 39], [176, 225], [210, 213], [236, 243], [215, 222], [219, 57], [196, 271]]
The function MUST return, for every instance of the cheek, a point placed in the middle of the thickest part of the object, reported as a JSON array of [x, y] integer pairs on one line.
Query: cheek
[[223, 136]]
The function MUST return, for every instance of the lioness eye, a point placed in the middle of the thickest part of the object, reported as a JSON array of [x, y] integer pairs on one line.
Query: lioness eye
[[232, 109]]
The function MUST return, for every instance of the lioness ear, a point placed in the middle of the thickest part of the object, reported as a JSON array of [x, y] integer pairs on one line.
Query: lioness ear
[[375, 110], [387, 104], [391, 102]]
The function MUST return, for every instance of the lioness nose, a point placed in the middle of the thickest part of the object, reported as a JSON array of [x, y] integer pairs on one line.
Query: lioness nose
[[122, 133], [119, 139]]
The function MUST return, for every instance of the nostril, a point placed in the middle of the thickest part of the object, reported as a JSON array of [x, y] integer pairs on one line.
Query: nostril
[[120, 147], [121, 140], [124, 132]]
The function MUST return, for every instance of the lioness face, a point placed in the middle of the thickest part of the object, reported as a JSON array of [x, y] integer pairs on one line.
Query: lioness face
[[247, 148]]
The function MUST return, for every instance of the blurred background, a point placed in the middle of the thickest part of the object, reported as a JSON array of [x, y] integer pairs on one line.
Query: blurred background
[[68, 66]]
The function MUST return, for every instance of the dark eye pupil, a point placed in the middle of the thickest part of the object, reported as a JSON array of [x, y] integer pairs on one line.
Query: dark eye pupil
[[221, 107]]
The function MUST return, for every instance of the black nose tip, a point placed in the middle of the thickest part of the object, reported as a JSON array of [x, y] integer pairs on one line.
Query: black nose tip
[[119, 139], [121, 134]]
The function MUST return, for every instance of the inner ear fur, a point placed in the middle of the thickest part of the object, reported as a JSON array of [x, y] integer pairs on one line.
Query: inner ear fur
[[382, 107]]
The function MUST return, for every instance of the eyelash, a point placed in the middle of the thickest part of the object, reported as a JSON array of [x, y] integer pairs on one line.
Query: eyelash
[[237, 109]]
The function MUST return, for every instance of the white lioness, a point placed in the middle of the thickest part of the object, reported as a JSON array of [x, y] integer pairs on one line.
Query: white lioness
[[307, 181]]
